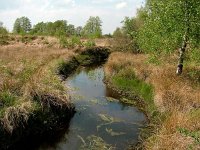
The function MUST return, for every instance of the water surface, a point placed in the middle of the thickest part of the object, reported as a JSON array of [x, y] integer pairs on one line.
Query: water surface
[[101, 120]]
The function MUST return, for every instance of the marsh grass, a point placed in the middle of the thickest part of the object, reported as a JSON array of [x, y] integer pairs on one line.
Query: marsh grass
[[135, 85], [121, 74], [175, 124], [7, 98], [28, 72]]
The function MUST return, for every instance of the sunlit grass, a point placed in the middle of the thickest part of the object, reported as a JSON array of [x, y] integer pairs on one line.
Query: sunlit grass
[[175, 124], [28, 70]]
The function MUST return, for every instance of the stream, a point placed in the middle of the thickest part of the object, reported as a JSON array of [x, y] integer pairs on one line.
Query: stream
[[101, 121]]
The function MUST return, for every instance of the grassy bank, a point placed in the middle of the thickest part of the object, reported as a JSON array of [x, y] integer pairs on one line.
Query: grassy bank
[[33, 100], [172, 102], [85, 57]]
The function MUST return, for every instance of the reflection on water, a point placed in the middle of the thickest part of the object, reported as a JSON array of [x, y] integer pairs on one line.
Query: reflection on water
[[101, 122]]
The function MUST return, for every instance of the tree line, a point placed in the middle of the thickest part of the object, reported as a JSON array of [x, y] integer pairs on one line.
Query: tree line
[[22, 25], [161, 27]]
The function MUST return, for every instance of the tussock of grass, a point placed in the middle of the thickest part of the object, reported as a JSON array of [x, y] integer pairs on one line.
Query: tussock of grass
[[30, 89], [176, 125], [7, 99]]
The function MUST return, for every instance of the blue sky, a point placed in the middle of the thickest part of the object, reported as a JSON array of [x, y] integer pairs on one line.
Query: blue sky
[[75, 12]]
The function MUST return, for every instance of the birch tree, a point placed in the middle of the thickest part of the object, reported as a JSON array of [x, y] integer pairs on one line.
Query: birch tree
[[171, 25], [93, 27]]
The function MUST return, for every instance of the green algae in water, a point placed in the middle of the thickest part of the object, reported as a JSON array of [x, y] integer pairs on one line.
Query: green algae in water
[[114, 133], [96, 143], [110, 99], [108, 118], [96, 101]]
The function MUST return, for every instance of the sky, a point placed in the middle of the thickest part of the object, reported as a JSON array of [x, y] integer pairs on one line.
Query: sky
[[76, 12]]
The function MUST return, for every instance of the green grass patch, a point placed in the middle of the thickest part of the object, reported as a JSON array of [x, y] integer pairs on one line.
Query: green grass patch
[[153, 59], [194, 134], [126, 81], [134, 85], [90, 43], [7, 98], [193, 56]]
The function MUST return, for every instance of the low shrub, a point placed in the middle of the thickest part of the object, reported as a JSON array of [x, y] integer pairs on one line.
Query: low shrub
[[90, 43]]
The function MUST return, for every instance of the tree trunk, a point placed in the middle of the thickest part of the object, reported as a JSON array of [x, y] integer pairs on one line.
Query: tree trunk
[[181, 57], [185, 40]]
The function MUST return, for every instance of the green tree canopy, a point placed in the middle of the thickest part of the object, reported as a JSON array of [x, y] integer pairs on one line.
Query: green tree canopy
[[39, 28], [93, 27], [118, 33], [78, 30], [171, 24], [132, 25], [22, 25], [167, 23], [57, 28], [70, 29], [3, 30], [60, 27]]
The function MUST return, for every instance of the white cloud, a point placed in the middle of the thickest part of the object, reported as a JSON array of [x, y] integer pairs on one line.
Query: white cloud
[[74, 11], [54, 4], [121, 5], [101, 1]]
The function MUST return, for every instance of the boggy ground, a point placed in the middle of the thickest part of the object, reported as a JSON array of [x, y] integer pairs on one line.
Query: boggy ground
[[31, 93], [172, 102], [33, 99]]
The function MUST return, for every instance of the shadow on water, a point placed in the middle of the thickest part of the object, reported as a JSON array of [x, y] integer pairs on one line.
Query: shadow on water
[[47, 140], [101, 121]]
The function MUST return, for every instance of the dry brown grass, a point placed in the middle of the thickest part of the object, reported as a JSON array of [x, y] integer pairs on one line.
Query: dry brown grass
[[27, 71], [174, 96], [31, 41], [104, 42], [118, 61]]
